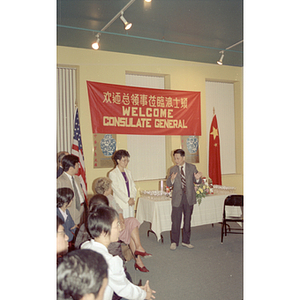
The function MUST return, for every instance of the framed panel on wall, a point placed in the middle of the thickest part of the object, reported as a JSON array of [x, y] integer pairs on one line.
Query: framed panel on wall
[[104, 147], [190, 145]]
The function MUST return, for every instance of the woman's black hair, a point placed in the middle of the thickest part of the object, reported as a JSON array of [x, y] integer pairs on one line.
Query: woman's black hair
[[96, 200], [63, 195], [119, 154], [100, 220]]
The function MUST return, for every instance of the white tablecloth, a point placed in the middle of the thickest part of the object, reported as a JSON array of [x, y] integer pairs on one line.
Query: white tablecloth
[[158, 212]]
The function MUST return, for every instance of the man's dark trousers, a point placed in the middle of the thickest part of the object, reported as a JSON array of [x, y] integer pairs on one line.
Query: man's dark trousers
[[176, 217]]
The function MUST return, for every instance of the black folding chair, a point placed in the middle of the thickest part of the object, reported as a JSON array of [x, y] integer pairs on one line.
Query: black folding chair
[[230, 201]]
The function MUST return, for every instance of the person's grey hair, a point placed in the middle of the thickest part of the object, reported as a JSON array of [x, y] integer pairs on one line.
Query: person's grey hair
[[102, 184]]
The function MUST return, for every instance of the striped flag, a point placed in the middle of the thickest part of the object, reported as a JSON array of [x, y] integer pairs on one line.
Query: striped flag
[[78, 151]]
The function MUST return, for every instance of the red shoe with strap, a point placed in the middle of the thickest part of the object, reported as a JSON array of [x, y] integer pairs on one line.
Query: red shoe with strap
[[144, 254], [142, 269]]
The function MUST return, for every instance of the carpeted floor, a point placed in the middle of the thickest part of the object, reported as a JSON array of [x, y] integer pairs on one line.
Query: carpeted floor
[[210, 271]]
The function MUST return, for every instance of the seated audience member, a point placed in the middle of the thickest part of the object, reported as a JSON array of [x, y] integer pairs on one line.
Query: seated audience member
[[64, 198], [129, 226], [61, 238], [114, 248], [103, 225], [81, 275], [60, 156], [83, 234], [68, 179]]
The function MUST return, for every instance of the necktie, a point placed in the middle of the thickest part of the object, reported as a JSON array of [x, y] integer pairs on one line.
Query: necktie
[[183, 182], [76, 195]]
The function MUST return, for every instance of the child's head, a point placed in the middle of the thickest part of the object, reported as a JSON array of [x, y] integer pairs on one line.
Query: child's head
[[103, 220], [81, 273], [64, 196]]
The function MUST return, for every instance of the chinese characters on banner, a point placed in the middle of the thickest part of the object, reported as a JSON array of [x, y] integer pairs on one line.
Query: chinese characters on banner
[[118, 109]]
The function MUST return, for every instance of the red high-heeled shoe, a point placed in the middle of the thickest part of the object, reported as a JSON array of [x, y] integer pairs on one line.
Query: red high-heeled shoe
[[144, 254], [142, 269]]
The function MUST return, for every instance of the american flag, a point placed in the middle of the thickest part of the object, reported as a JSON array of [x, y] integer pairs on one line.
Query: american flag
[[78, 151]]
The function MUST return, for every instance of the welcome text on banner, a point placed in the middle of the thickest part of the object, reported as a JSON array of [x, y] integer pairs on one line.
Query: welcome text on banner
[[119, 109]]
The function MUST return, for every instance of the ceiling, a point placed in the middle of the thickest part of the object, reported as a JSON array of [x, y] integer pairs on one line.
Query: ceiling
[[192, 30]]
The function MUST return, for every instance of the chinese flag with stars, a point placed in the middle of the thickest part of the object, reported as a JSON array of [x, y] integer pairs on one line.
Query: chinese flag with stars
[[214, 169]]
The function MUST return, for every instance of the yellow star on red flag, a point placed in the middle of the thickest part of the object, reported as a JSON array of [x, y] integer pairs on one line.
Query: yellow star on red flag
[[214, 132]]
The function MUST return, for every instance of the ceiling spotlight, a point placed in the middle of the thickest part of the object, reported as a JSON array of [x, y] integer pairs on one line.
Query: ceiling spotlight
[[220, 61], [127, 25], [147, 0], [96, 45]]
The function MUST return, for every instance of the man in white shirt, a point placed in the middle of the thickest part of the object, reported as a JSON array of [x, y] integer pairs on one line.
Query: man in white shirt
[[70, 164]]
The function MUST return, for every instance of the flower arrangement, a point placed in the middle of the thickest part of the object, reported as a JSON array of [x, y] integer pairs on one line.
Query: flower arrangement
[[202, 190]]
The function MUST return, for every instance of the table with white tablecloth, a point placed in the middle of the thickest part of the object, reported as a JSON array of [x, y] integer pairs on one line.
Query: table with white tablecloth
[[157, 211]]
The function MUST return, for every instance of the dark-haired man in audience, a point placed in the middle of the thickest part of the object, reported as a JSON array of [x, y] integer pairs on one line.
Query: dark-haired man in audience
[[70, 164], [82, 275]]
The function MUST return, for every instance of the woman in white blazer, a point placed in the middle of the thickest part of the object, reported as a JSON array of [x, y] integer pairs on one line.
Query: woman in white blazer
[[122, 183], [124, 193]]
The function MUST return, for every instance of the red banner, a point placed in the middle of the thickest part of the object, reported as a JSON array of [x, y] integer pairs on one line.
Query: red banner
[[118, 109]]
